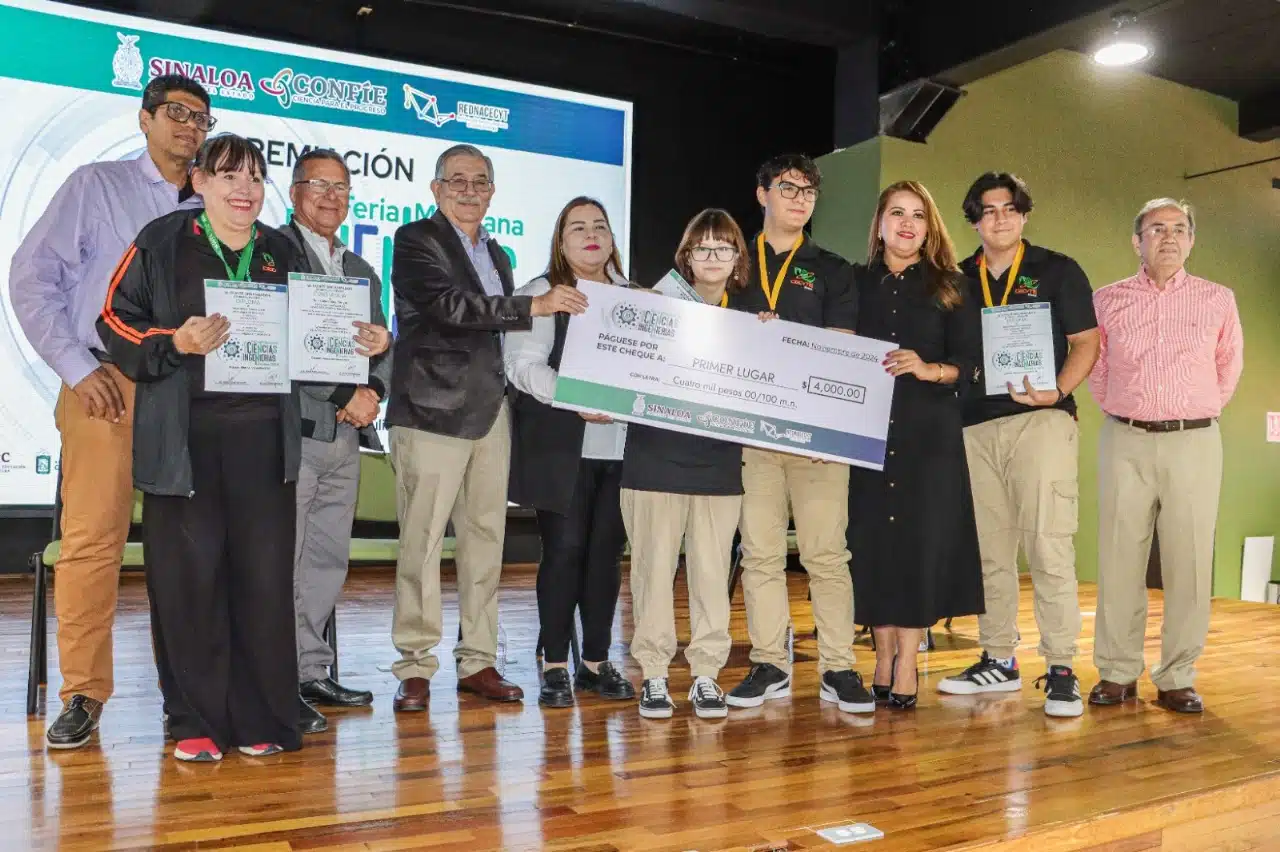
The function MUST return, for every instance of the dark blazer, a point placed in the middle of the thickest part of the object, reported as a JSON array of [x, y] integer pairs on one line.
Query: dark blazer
[[447, 374], [546, 444]]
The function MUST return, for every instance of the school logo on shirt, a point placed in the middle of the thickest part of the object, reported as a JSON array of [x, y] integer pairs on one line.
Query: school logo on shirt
[[1026, 286], [268, 263], [801, 277]]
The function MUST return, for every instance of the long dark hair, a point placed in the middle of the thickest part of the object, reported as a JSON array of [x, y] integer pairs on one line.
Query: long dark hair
[[938, 254], [558, 269]]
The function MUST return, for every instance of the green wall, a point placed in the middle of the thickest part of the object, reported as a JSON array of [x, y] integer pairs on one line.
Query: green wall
[[1094, 145]]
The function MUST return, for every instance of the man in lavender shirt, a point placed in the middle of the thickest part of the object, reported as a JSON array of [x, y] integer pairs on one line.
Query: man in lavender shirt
[[58, 283]]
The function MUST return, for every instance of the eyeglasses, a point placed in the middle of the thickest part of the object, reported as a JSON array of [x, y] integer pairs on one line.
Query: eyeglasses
[[182, 113], [1162, 231], [320, 186], [789, 190], [723, 254], [480, 186]]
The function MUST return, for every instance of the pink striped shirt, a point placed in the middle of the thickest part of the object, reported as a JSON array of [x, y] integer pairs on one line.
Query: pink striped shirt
[[1171, 354]]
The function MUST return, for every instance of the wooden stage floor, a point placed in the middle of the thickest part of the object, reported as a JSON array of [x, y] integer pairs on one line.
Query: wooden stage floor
[[958, 773]]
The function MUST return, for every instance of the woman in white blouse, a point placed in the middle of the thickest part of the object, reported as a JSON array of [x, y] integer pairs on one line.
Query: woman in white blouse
[[568, 468]]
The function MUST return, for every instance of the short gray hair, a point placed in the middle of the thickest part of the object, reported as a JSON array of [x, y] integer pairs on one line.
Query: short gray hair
[[300, 165], [463, 151], [1164, 204]]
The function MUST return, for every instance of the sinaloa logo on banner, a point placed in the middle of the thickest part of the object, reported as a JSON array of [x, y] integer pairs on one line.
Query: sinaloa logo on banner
[[127, 63]]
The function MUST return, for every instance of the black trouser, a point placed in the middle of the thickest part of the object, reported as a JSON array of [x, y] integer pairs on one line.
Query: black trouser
[[580, 564], [220, 575]]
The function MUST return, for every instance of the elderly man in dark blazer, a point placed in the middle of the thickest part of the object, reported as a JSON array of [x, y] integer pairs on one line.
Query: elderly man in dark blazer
[[337, 420], [450, 427]]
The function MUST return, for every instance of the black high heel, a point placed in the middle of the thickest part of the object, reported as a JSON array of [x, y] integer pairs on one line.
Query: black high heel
[[882, 693], [905, 702]]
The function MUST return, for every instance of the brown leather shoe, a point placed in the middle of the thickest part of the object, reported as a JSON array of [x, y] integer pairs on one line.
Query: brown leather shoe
[[1180, 700], [1107, 693], [491, 685], [412, 695]]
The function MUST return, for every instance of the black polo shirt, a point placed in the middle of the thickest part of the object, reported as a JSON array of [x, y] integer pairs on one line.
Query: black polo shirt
[[680, 463], [1044, 276], [194, 262], [817, 289]]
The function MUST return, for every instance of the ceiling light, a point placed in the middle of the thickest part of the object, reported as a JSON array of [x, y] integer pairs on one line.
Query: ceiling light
[[1125, 46]]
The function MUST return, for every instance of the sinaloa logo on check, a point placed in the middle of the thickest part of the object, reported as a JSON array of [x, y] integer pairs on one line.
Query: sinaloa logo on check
[[637, 407], [628, 316]]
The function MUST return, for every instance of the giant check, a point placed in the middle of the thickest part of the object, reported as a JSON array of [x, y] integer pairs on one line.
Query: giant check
[[691, 367]]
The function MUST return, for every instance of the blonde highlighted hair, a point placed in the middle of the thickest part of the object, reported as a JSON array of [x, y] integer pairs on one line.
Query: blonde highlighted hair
[[942, 272]]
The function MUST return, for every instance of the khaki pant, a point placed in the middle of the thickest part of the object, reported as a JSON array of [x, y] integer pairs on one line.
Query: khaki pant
[[438, 479], [97, 505], [1023, 471], [1168, 482], [656, 524], [780, 486]]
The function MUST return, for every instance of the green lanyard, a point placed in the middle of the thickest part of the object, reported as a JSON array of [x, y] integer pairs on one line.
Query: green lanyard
[[246, 255]]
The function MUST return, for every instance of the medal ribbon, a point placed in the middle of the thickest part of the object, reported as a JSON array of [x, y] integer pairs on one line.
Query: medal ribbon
[[772, 295], [1013, 276], [246, 254]]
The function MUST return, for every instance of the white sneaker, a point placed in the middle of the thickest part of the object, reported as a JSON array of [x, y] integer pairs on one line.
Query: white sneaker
[[1062, 693], [986, 675]]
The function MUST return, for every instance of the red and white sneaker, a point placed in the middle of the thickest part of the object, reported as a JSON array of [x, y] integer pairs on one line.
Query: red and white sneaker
[[198, 750], [261, 749]]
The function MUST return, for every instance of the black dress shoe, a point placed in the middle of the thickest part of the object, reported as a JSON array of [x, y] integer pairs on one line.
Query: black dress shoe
[[329, 693], [75, 724], [607, 683], [310, 720], [556, 690]]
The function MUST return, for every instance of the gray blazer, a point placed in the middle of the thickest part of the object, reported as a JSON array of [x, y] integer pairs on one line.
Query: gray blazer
[[320, 403]]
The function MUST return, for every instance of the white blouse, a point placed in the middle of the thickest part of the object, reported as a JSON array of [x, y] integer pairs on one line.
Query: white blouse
[[525, 358]]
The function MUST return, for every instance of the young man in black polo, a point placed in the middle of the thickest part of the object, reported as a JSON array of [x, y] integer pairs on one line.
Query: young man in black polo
[[796, 280], [1022, 448]]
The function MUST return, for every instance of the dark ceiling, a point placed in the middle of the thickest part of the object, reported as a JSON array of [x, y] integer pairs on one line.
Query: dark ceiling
[[1228, 47]]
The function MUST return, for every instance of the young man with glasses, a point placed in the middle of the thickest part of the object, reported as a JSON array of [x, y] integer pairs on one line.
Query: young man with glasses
[[1023, 448], [337, 420], [1172, 353], [58, 283], [794, 279]]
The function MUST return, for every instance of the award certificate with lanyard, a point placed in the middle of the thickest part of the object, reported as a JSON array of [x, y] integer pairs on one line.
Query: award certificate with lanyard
[[255, 358], [1017, 340]]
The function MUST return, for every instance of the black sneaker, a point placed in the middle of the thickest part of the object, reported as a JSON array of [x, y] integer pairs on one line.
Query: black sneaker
[[845, 690], [607, 683], [986, 675], [764, 682], [655, 701], [75, 724], [1062, 692], [556, 690], [310, 720], [707, 698]]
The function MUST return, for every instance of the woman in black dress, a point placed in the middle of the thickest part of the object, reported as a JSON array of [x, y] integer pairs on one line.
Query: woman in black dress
[[912, 536]]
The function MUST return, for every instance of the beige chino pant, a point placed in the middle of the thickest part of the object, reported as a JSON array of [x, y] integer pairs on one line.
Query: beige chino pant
[[781, 486], [438, 479], [657, 523], [1023, 471], [1168, 482]]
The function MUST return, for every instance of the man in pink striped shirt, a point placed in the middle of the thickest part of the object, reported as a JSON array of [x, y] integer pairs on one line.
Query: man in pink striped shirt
[[1172, 353]]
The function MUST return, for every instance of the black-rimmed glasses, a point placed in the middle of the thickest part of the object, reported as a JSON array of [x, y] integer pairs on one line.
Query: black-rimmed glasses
[[182, 113], [789, 190], [724, 254]]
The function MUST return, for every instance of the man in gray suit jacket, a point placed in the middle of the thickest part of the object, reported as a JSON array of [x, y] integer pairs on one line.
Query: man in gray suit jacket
[[336, 421]]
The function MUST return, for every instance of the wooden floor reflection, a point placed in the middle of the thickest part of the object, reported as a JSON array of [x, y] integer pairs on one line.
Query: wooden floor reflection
[[958, 773]]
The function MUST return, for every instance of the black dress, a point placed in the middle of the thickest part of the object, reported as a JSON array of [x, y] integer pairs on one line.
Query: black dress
[[912, 537]]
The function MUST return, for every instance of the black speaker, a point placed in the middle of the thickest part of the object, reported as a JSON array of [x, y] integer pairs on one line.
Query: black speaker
[[912, 111]]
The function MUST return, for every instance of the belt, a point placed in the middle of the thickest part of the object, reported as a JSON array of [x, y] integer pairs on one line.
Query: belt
[[1165, 425]]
